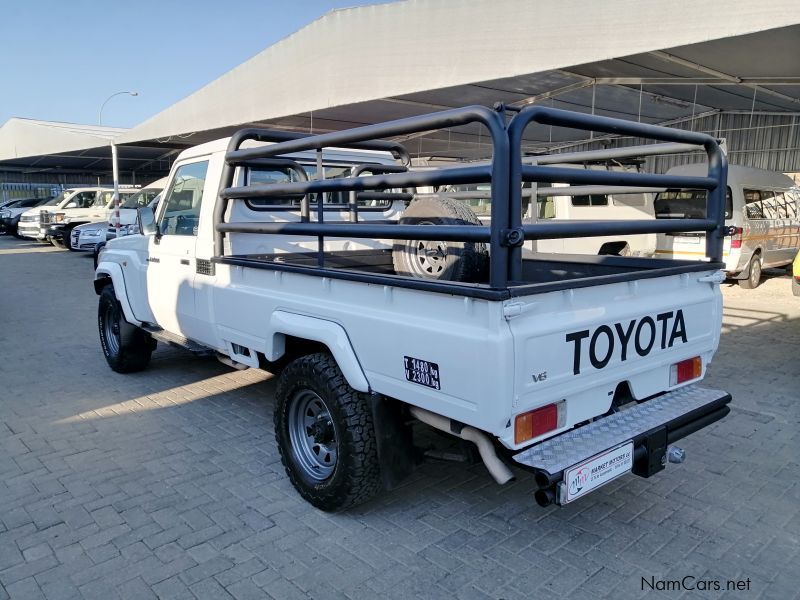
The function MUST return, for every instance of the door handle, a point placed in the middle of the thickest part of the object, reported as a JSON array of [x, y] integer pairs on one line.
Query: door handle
[[185, 261], [153, 259]]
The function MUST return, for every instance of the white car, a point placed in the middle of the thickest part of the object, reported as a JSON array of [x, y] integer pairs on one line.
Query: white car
[[28, 224], [73, 206], [85, 238], [577, 368], [80, 209]]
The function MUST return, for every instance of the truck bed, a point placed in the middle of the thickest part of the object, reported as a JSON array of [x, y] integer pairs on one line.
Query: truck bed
[[541, 272]]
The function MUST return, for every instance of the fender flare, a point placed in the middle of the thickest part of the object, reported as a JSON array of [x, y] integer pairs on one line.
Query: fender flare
[[331, 334], [112, 271]]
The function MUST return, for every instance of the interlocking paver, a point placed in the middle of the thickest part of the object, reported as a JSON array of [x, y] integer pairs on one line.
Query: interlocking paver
[[167, 483]]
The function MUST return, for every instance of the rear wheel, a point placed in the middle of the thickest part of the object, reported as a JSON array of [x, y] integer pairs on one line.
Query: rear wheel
[[325, 435], [754, 276], [126, 347], [450, 261]]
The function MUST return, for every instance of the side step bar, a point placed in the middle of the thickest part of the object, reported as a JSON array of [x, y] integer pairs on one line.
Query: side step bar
[[177, 340], [649, 426]]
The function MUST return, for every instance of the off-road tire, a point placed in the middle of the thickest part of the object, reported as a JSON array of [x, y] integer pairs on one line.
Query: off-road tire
[[753, 278], [356, 475], [131, 350], [454, 261]]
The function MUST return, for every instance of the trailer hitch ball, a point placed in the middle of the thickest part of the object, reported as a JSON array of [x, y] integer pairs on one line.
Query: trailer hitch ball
[[676, 455]]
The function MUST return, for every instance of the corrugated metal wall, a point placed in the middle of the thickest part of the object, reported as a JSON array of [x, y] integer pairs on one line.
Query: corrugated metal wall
[[765, 141], [71, 178]]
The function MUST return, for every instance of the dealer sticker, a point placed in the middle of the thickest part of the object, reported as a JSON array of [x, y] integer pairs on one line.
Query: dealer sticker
[[598, 470], [422, 372]]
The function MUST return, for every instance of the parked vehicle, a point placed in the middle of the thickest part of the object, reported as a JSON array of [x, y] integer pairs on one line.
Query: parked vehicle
[[577, 368], [761, 211], [11, 211], [88, 206], [86, 238], [128, 208], [557, 202], [28, 223]]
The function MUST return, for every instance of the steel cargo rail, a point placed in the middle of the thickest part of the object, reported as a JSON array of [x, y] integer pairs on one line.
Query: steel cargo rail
[[506, 171], [714, 182]]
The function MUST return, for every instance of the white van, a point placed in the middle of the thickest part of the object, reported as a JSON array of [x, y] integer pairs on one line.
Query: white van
[[761, 212]]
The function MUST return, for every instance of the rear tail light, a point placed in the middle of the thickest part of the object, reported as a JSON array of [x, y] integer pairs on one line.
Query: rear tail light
[[686, 370], [736, 237], [537, 422]]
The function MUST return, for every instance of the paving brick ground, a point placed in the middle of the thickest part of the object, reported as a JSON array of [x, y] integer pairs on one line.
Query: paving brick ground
[[167, 483]]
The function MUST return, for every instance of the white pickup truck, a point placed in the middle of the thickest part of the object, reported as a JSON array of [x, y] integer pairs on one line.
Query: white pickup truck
[[311, 257]]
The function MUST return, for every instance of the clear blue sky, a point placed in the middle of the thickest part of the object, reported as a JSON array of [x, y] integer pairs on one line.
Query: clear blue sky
[[59, 59]]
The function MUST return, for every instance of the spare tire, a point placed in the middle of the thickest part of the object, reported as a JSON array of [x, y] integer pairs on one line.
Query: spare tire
[[449, 261]]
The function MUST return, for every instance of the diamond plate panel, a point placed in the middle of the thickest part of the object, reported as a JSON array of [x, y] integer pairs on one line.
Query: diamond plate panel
[[563, 451]]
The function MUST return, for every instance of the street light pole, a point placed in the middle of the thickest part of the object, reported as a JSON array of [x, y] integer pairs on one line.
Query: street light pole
[[103, 105], [114, 159]]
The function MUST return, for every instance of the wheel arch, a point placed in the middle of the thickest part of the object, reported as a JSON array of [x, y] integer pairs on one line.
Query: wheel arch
[[286, 326], [111, 274]]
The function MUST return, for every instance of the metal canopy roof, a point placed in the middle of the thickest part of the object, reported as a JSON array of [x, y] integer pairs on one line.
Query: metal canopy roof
[[661, 62], [728, 67], [36, 147]]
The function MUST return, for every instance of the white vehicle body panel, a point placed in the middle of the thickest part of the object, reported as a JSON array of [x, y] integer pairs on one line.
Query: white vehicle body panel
[[486, 351]]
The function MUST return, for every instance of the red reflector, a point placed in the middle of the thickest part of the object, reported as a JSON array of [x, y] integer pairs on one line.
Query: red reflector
[[535, 423], [686, 370]]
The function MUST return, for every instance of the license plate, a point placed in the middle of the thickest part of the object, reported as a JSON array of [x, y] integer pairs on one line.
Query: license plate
[[690, 240], [598, 470]]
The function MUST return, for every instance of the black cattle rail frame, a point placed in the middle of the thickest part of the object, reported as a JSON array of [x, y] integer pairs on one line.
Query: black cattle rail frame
[[506, 172]]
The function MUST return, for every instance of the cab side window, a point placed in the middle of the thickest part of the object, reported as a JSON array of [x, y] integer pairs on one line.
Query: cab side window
[[84, 199], [182, 201]]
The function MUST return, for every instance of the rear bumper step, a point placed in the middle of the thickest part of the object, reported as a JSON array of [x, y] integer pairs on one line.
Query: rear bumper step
[[650, 427]]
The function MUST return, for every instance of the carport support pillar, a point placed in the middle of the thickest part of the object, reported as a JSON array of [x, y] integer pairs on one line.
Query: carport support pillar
[[115, 172]]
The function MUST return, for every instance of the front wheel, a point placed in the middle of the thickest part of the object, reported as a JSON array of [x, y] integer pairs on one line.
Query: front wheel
[[754, 277], [126, 347], [325, 435]]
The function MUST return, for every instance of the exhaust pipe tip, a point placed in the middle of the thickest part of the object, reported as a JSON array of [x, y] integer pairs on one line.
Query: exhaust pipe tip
[[545, 497], [544, 479]]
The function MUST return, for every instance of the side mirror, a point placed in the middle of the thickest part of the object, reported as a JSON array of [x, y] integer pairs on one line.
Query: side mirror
[[72, 204], [146, 218]]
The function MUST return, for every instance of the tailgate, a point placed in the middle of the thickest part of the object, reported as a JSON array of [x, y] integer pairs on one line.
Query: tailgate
[[577, 346]]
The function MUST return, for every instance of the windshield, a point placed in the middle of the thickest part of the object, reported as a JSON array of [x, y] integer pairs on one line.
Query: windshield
[[141, 198], [686, 204], [58, 199]]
